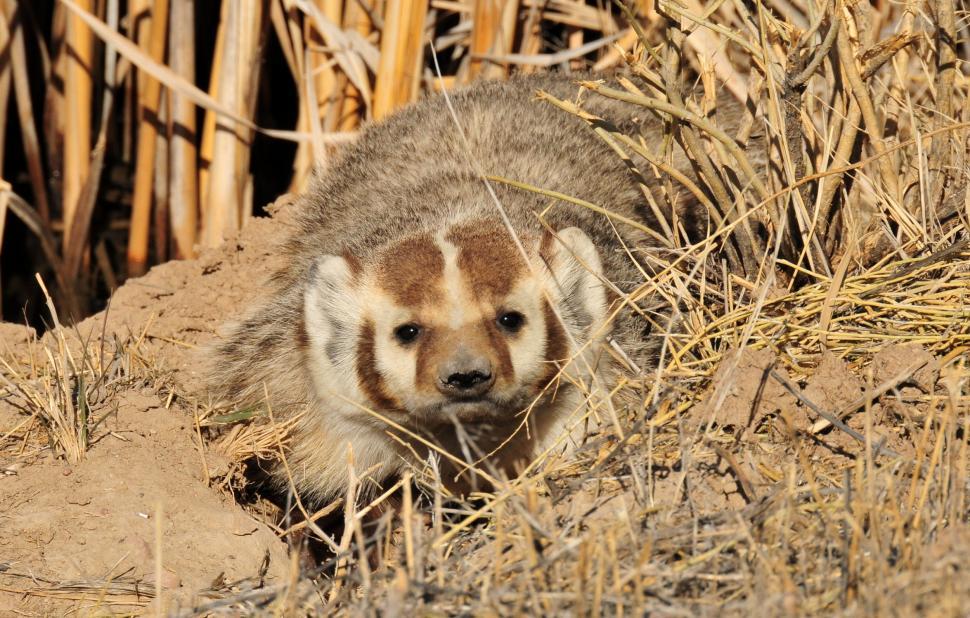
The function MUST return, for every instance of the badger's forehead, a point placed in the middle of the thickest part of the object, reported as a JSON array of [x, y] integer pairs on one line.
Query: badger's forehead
[[420, 270]]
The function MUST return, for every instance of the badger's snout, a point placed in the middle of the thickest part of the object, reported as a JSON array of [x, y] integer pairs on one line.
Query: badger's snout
[[465, 374]]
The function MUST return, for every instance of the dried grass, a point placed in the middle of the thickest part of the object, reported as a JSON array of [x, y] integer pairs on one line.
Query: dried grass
[[67, 385]]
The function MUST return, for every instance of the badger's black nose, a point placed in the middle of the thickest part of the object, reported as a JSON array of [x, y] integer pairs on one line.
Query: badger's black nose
[[465, 376], [465, 381]]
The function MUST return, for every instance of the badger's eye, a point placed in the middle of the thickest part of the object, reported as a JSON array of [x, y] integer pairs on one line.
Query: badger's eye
[[511, 321], [406, 333]]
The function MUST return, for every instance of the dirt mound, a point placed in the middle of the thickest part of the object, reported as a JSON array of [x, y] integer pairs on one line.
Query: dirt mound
[[139, 498], [179, 306], [140, 489]]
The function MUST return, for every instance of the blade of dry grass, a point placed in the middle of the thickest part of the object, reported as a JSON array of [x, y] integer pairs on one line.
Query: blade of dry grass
[[548, 60]]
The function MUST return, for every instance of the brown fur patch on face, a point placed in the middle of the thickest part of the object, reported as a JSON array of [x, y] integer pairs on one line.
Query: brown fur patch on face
[[557, 348], [499, 343], [487, 257], [371, 381], [431, 349], [411, 271]]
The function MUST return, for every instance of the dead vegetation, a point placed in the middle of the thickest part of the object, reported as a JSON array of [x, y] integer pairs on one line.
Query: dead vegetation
[[802, 445], [66, 384]]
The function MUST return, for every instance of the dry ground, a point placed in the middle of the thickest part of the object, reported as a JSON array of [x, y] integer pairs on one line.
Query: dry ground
[[726, 491]]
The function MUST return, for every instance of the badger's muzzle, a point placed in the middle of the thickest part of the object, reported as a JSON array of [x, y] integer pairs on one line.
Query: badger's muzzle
[[465, 375]]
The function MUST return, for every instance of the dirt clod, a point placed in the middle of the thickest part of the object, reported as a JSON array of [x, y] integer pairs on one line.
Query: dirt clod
[[908, 363], [744, 391]]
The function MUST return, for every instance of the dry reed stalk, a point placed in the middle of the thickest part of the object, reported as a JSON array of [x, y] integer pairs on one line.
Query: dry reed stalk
[[290, 30], [209, 123], [139, 31], [575, 41], [53, 112], [285, 35], [353, 107], [493, 32], [570, 13], [5, 78], [531, 36], [329, 81], [709, 49], [402, 54], [226, 202], [942, 148], [255, 40], [506, 35], [76, 248], [77, 104], [874, 127], [135, 30], [25, 110], [183, 192], [160, 185], [4, 205], [141, 201], [221, 195]]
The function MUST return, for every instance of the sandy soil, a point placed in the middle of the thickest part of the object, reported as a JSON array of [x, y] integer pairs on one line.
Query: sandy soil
[[141, 489]]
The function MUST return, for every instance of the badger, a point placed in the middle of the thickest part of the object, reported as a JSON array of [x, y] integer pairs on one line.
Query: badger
[[427, 311]]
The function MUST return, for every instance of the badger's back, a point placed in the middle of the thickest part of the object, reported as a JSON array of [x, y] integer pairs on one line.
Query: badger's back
[[415, 168]]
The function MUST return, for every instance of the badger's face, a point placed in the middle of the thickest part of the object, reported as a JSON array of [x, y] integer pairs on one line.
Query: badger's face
[[453, 326]]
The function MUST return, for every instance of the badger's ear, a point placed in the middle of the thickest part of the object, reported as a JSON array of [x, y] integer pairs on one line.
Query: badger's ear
[[577, 272], [330, 308]]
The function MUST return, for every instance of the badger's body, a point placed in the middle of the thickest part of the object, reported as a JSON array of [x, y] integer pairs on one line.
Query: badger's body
[[408, 309]]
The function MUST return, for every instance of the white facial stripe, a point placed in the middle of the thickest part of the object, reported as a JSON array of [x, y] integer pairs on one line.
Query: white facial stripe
[[456, 297], [331, 313]]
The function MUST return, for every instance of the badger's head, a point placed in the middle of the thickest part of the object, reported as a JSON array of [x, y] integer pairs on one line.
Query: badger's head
[[455, 325]]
